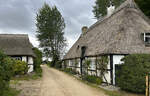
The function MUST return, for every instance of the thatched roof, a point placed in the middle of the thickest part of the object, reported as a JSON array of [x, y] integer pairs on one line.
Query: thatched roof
[[16, 44], [119, 33]]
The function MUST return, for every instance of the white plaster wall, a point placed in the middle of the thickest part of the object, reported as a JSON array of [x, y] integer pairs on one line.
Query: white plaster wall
[[108, 77], [30, 62], [24, 58], [116, 60], [69, 63], [78, 69], [93, 65], [30, 68]]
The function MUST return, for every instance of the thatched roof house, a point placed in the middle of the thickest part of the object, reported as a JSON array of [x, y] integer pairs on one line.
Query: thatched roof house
[[120, 33], [125, 31], [17, 46]]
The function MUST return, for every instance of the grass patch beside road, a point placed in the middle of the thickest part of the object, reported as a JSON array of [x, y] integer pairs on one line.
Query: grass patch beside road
[[30, 76], [11, 92]]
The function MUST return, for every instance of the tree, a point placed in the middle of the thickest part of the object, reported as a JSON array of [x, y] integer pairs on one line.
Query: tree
[[100, 8], [50, 26], [144, 6]]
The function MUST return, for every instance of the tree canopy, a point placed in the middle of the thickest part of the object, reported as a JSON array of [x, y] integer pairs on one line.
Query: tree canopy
[[50, 31], [100, 7]]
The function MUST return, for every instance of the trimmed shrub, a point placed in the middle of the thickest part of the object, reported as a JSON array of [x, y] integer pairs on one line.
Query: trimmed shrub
[[93, 79], [133, 71]]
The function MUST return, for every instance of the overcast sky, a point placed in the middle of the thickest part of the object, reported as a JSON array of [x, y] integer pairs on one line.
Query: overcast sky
[[18, 16]]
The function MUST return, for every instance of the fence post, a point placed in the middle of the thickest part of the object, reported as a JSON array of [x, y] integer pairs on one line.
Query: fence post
[[147, 86]]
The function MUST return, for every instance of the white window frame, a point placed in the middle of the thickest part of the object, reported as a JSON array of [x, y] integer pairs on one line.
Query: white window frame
[[146, 36]]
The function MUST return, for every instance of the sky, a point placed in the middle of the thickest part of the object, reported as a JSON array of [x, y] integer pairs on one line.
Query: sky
[[19, 17]]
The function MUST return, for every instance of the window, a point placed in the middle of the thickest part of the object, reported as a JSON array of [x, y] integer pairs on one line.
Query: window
[[147, 38], [17, 58], [83, 49], [92, 65]]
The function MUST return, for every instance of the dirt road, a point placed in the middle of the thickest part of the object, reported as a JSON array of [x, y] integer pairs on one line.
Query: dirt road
[[56, 83]]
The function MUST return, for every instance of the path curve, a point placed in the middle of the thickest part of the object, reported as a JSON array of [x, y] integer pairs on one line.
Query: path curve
[[57, 83]]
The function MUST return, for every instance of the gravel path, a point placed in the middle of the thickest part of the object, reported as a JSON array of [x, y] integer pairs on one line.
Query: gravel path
[[57, 83]]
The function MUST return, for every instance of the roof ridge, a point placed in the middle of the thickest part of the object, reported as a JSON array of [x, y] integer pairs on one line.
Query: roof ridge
[[127, 3], [12, 34]]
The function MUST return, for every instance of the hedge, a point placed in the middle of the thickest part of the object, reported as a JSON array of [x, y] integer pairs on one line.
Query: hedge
[[133, 71]]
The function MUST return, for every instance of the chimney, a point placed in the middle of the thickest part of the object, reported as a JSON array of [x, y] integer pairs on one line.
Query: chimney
[[84, 29], [110, 10]]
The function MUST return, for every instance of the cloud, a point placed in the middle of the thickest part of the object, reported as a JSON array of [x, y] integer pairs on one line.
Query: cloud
[[18, 16]]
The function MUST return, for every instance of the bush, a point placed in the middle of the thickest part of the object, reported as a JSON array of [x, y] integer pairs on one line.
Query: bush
[[37, 60], [58, 64], [39, 72], [133, 71], [20, 67], [6, 72], [93, 79], [70, 71]]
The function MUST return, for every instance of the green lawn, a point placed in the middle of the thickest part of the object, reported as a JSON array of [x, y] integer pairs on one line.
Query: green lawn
[[11, 92]]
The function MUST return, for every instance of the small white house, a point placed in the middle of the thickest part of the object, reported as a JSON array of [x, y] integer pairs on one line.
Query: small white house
[[124, 31], [19, 47]]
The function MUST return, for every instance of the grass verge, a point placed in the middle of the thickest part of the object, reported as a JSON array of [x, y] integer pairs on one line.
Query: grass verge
[[11, 92]]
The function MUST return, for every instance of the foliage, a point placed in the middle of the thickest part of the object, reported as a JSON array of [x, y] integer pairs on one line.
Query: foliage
[[58, 64], [76, 63], [102, 65], [49, 63], [11, 92], [38, 61], [144, 6], [20, 67], [87, 64], [133, 71], [100, 8], [70, 71], [6, 72], [50, 26], [38, 72], [92, 79]]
